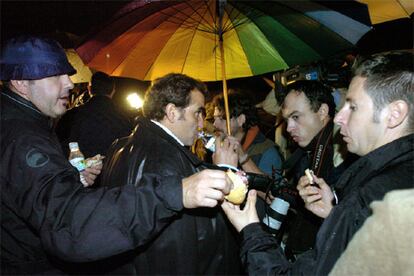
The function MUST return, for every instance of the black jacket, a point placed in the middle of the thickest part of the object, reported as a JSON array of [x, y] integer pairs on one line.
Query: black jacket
[[387, 168], [47, 217], [198, 241], [302, 226], [94, 125]]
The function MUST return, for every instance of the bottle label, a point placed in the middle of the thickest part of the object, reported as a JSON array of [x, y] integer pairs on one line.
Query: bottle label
[[79, 163]]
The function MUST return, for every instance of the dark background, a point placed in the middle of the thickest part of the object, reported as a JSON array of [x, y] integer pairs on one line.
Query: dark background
[[44, 17]]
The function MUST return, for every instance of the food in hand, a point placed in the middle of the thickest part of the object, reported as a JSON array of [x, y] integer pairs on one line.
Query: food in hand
[[97, 159], [238, 193], [309, 174]]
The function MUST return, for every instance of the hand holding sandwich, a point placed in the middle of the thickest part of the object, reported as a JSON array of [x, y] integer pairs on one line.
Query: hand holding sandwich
[[316, 194], [242, 218], [205, 189]]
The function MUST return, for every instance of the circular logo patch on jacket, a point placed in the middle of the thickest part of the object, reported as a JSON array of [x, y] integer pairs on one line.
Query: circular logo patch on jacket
[[36, 159]]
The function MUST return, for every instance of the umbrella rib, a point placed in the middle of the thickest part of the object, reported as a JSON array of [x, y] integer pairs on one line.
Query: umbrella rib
[[402, 6], [227, 26], [213, 16], [237, 21], [206, 27], [176, 20], [188, 50]]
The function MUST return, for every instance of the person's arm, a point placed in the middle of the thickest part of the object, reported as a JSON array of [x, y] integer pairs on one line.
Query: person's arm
[[249, 166], [260, 251], [80, 225]]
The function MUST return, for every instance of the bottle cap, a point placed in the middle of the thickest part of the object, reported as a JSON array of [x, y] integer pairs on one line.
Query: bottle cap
[[73, 146]]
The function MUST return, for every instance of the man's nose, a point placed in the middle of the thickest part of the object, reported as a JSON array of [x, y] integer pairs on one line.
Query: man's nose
[[68, 82], [200, 122], [339, 118], [289, 126], [215, 123]]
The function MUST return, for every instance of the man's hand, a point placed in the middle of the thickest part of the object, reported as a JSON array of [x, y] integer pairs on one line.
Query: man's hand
[[268, 198], [93, 169], [318, 198], [226, 151], [241, 218], [205, 189]]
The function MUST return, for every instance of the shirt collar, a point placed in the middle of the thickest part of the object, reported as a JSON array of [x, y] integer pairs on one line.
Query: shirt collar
[[168, 131]]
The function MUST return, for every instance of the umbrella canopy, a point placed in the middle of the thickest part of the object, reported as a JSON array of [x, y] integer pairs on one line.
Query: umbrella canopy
[[83, 73], [148, 39], [386, 10]]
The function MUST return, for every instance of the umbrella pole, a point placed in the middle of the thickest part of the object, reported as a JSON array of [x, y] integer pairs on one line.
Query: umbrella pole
[[220, 5], [225, 95]]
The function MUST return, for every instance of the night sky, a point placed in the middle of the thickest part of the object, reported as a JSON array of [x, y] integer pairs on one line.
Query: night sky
[[44, 17]]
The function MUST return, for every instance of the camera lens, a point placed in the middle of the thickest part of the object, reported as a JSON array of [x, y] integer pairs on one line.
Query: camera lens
[[276, 213]]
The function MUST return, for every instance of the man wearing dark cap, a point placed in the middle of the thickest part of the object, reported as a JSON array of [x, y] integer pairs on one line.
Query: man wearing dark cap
[[47, 214]]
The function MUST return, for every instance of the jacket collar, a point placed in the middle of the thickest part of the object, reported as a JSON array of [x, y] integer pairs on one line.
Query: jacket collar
[[375, 161], [28, 109], [146, 123]]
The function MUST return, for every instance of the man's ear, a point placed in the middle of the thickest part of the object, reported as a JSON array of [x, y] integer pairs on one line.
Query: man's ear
[[398, 113], [171, 112], [323, 111], [241, 119], [21, 87]]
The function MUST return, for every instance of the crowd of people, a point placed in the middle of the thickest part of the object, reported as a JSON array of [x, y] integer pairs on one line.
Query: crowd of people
[[154, 207]]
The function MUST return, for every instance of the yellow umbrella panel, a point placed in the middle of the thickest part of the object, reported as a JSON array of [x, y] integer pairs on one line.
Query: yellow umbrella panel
[[386, 10], [83, 73]]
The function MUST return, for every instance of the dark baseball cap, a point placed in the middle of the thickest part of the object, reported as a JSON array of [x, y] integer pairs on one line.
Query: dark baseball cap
[[32, 58]]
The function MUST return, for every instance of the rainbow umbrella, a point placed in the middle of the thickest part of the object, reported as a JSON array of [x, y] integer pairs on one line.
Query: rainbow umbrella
[[217, 40]]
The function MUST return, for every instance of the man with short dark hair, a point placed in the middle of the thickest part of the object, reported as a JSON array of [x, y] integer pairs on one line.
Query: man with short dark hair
[[376, 122], [308, 108], [196, 241], [98, 122], [48, 216]]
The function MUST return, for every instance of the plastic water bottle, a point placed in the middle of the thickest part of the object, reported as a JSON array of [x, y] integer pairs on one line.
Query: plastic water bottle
[[208, 140], [77, 159]]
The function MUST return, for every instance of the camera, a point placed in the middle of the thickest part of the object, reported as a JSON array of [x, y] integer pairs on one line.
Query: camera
[[334, 73], [267, 184], [278, 209]]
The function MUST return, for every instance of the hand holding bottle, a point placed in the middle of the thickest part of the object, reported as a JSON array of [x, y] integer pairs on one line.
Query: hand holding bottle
[[89, 169]]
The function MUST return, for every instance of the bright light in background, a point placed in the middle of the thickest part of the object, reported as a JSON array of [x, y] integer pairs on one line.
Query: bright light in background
[[134, 100]]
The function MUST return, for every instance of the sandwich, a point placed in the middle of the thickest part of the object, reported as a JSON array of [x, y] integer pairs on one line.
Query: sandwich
[[238, 193]]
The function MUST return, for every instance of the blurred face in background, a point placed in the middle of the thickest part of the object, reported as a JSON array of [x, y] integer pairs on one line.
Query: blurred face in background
[[303, 124], [220, 123]]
